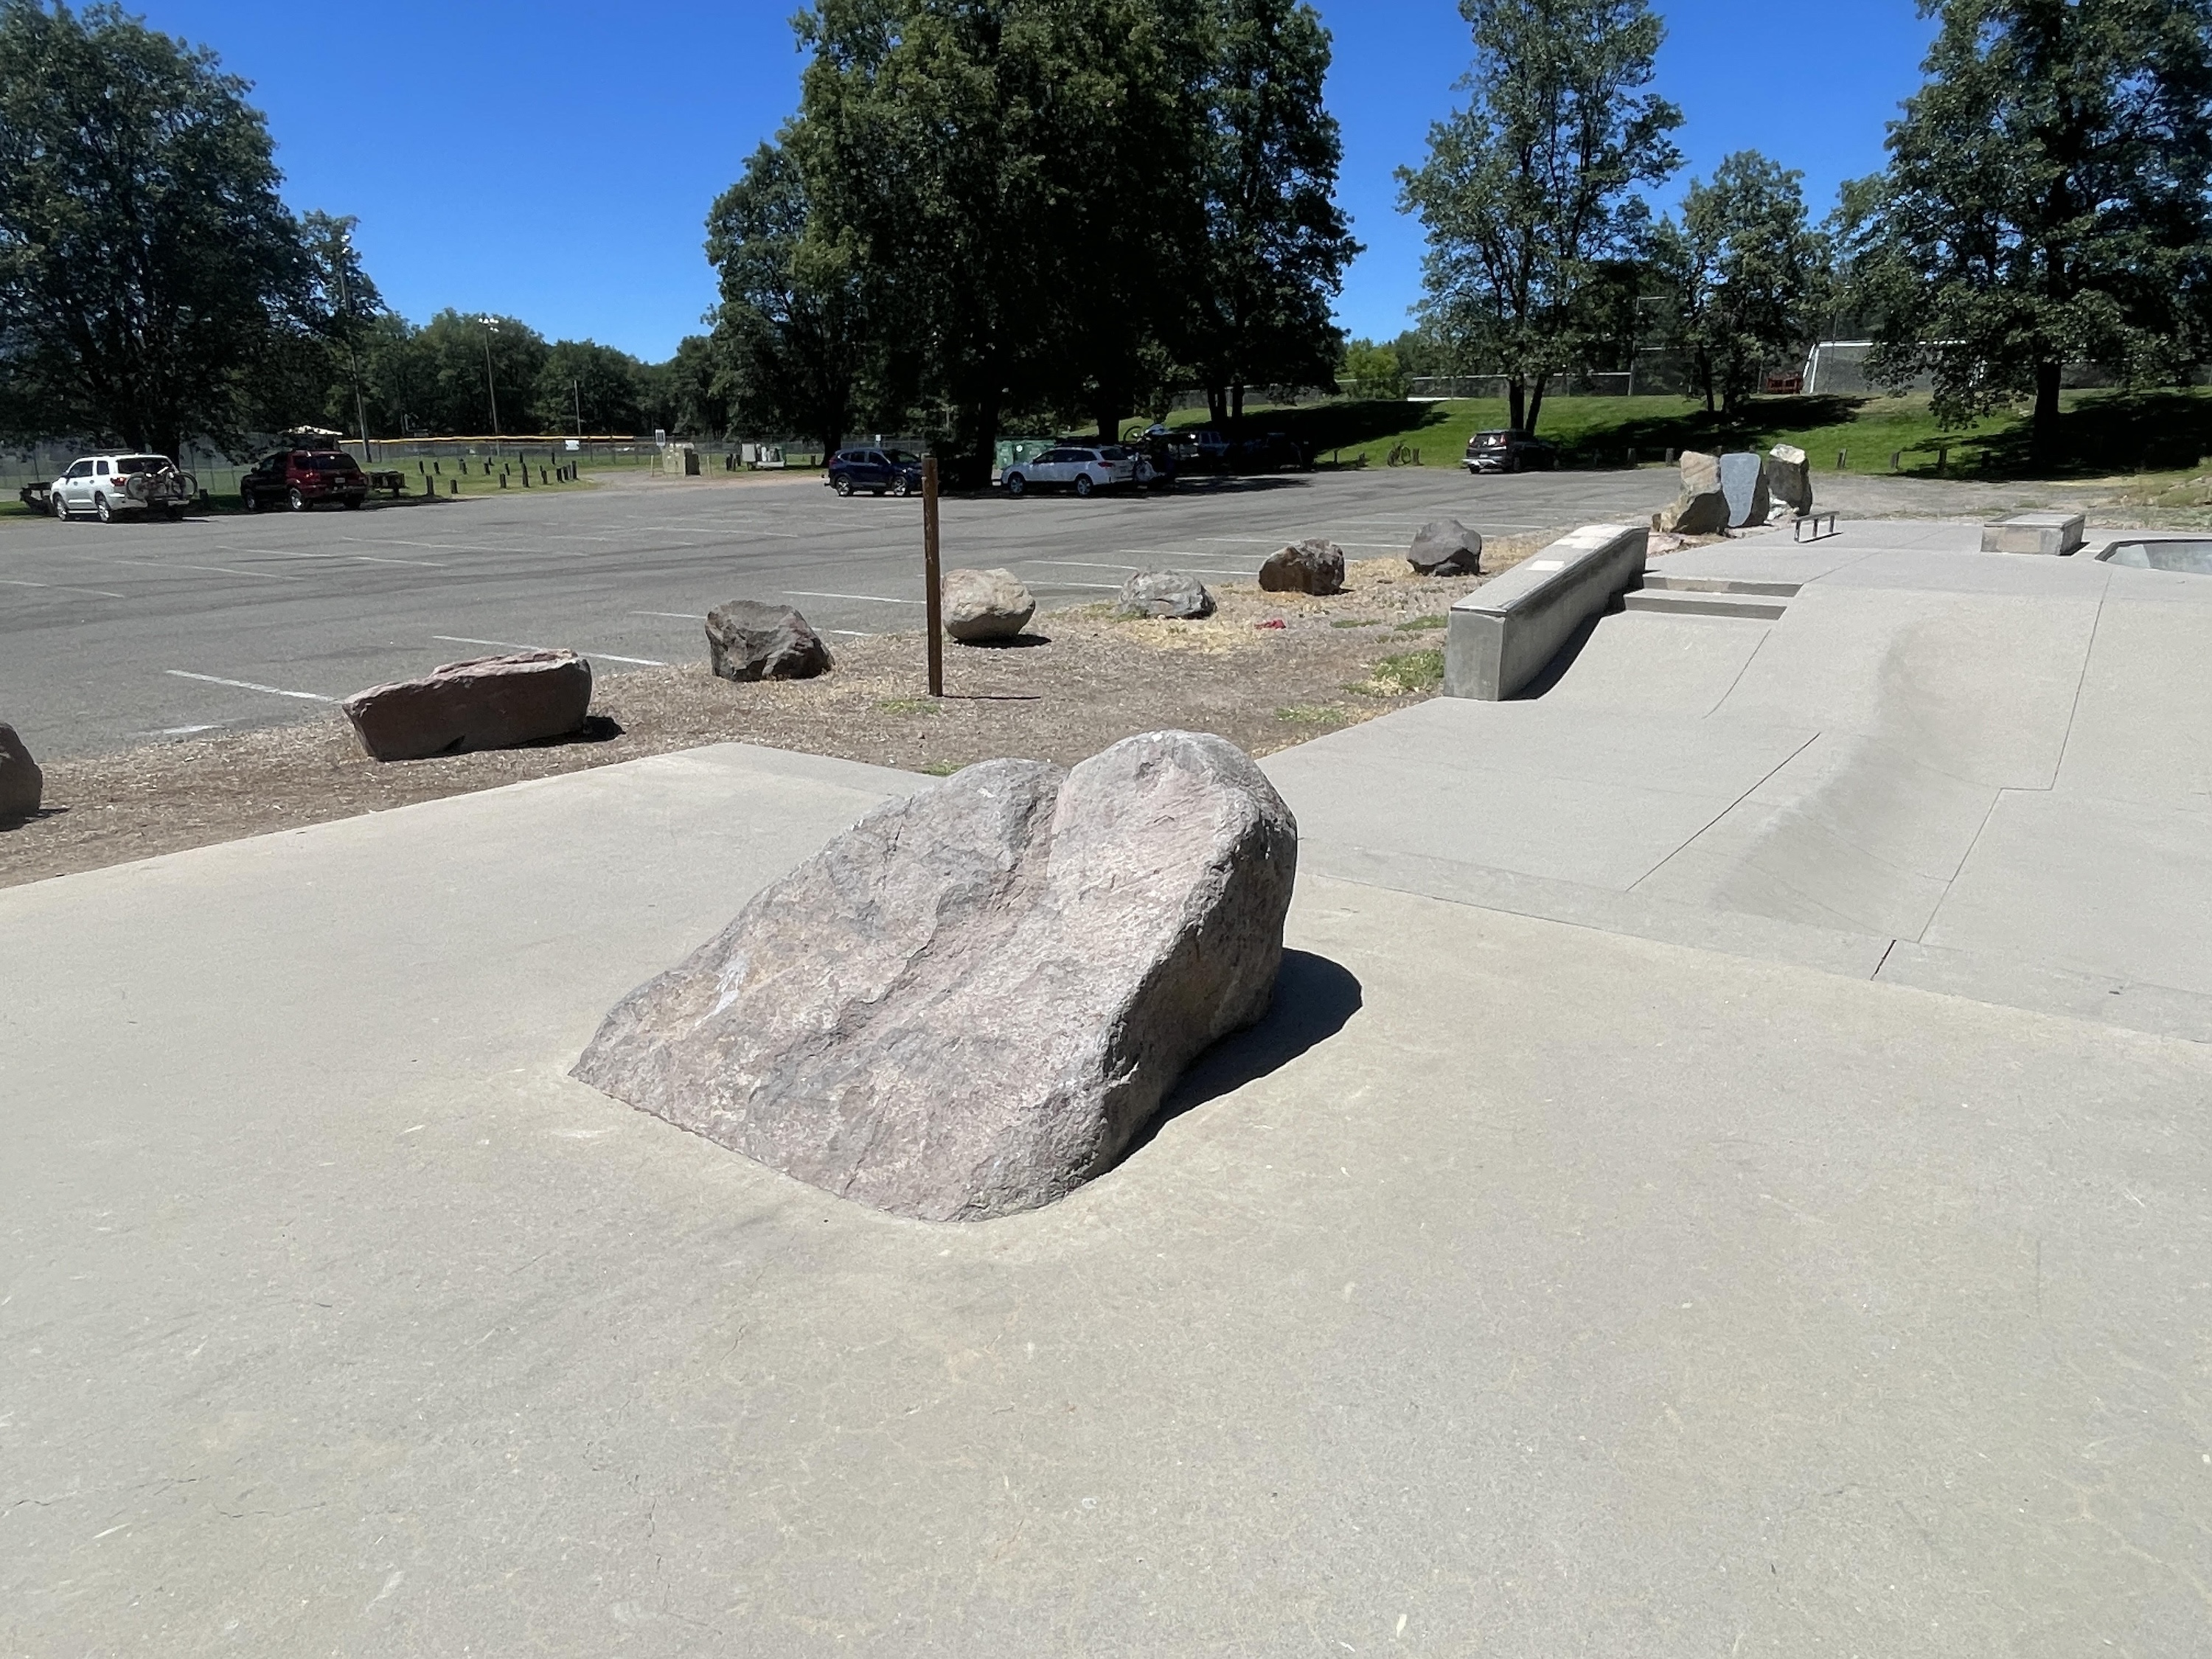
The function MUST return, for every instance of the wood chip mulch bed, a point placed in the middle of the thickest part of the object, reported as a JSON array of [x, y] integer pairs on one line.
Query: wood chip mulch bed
[[1268, 670]]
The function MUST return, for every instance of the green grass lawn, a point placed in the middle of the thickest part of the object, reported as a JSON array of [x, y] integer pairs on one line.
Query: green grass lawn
[[2101, 433]]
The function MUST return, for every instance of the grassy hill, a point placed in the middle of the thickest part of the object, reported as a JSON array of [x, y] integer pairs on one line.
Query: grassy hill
[[2102, 432]]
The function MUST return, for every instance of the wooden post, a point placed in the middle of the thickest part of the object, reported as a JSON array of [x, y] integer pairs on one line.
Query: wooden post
[[933, 602]]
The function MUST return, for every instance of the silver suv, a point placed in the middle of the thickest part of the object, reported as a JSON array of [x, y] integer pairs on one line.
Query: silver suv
[[105, 485], [1082, 469]]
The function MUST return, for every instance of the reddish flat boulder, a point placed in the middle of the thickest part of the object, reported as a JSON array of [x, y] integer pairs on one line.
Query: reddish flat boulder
[[487, 702]]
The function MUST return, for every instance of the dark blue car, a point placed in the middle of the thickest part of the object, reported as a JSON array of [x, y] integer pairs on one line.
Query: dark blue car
[[879, 471]]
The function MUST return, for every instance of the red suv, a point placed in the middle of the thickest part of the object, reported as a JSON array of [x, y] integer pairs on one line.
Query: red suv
[[298, 478]]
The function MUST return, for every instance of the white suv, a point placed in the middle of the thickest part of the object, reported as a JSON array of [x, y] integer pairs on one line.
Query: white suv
[[105, 485], [1068, 467]]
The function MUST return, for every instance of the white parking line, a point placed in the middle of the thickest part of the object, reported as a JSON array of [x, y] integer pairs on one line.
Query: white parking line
[[63, 587], [219, 569], [248, 685], [672, 615], [510, 645], [1103, 587], [873, 598], [347, 558]]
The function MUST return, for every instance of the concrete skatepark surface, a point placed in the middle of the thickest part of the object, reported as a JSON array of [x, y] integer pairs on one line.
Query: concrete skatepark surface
[[1564, 1266]]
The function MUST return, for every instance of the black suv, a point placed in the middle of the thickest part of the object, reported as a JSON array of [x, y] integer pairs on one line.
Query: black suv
[[877, 471]]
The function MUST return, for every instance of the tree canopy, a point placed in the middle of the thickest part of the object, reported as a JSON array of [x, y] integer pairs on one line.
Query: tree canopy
[[991, 208], [1743, 271], [2045, 202], [1532, 188], [153, 285]]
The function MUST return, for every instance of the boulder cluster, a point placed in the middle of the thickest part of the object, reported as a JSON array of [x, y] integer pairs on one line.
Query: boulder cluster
[[1737, 490]]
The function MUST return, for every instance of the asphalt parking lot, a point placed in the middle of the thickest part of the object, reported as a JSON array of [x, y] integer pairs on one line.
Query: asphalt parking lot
[[114, 635]]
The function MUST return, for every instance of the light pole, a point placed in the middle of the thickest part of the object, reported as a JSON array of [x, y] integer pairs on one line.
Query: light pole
[[490, 328], [353, 360], [575, 390]]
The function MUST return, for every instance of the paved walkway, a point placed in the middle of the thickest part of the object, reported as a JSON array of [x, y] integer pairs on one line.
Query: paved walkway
[[1586, 1257]]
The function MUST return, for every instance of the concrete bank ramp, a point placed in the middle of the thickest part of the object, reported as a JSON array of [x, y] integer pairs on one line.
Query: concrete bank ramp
[[1985, 770]]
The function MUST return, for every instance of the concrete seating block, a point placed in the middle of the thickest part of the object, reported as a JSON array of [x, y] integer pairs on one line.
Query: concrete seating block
[[2056, 533], [1502, 635]]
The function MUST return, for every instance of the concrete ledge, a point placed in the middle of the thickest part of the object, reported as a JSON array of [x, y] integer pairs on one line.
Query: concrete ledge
[[2054, 534], [1503, 633]]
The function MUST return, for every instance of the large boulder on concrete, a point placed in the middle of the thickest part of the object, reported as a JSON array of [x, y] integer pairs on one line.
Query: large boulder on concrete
[[21, 783], [1701, 473], [1743, 484], [1790, 478], [1166, 593], [486, 703], [749, 640], [1704, 513], [985, 605], [967, 1004], [1309, 567], [1445, 547]]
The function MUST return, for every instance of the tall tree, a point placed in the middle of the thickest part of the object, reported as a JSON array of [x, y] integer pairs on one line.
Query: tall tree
[[1531, 187], [1745, 269], [149, 272], [584, 386], [792, 331], [1277, 244], [2046, 202]]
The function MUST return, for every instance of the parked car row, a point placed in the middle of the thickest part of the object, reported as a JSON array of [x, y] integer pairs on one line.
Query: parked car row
[[108, 487]]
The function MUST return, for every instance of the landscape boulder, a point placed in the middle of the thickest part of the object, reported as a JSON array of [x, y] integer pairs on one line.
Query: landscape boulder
[[1307, 567], [966, 1005], [1743, 485], [985, 605], [21, 783], [486, 703], [1701, 509], [749, 640], [1790, 478], [1166, 593], [1445, 547]]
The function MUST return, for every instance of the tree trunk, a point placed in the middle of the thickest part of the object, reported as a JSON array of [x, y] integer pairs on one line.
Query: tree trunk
[[1108, 418], [1217, 406], [2043, 433], [1237, 409], [1516, 405], [1535, 404]]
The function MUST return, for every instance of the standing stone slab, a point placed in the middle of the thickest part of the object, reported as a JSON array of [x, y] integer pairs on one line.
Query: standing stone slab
[[1309, 567], [21, 784], [1445, 547], [985, 605], [1166, 593], [486, 703], [1790, 477], [1743, 483], [966, 1005], [749, 640]]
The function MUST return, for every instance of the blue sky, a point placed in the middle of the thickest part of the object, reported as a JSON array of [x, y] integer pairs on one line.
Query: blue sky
[[555, 162]]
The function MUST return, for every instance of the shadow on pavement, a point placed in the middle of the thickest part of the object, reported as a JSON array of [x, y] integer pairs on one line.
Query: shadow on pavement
[[1314, 999]]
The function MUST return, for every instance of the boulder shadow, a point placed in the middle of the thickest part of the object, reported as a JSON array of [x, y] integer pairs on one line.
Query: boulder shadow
[[24, 820], [1314, 999], [1011, 643]]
